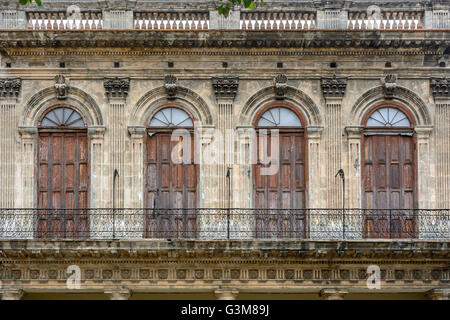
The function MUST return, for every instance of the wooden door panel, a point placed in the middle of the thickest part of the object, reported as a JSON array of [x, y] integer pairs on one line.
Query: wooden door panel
[[63, 182], [283, 190], [388, 183], [169, 185]]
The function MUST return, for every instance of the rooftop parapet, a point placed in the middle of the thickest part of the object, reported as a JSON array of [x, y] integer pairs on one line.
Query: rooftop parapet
[[201, 15]]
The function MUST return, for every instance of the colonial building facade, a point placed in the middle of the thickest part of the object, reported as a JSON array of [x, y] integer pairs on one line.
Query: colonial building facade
[[156, 149]]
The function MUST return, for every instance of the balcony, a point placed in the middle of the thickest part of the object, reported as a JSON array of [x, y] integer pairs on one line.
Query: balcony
[[225, 224]]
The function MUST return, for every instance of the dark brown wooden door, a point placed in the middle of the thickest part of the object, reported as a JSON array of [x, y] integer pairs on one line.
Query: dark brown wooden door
[[284, 190], [63, 182], [389, 183], [170, 185]]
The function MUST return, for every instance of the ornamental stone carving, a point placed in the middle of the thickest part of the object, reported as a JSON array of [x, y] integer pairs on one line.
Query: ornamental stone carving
[[225, 87], [440, 87], [10, 88], [61, 87], [170, 84], [116, 87], [389, 85], [280, 83], [333, 87]]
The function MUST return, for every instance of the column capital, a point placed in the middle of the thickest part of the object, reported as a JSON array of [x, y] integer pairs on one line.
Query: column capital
[[226, 294], [137, 132], [28, 133], [116, 88], [423, 132], [12, 294], [10, 88], [333, 294], [96, 132], [354, 132], [333, 88], [438, 294], [314, 132], [118, 293], [440, 88], [225, 88]]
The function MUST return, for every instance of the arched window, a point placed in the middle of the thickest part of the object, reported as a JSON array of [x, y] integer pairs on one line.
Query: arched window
[[62, 175], [282, 190], [62, 117], [171, 117], [171, 176], [389, 172], [279, 117], [388, 117]]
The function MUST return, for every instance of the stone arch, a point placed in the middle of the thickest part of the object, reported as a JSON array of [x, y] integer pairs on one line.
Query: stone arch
[[77, 98], [402, 95], [294, 96], [156, 99]]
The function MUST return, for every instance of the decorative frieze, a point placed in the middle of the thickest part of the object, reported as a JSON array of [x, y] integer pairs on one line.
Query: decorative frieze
[[333, 87], [225, 87], [10, 88], [170, 84], [440, 87], [389, 83], [280, 83], [61, 87], [117, 87]]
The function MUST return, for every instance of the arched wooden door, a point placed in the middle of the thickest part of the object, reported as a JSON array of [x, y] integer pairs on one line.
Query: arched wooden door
[[62, 175], [280, 195], [389, 173], [171, 176]]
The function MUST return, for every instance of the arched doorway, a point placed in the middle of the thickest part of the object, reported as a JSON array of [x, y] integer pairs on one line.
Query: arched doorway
[[62, 174], [171, 176], [280, 195], [389, 172]]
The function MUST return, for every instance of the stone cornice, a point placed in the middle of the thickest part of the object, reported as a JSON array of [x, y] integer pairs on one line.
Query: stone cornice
[[205, 249], [425, 40]]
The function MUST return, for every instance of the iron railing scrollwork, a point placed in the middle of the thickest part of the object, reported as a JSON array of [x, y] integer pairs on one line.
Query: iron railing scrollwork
[[185, 223]]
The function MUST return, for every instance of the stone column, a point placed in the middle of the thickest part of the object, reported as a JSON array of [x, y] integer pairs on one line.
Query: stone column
[[442, 141], [118, 294], [135, 180], [438, 294], [116, 149], [332, 294], [226, 294], [226, 171], [11, 294], [333, 91], [9, 91], [353, 193]]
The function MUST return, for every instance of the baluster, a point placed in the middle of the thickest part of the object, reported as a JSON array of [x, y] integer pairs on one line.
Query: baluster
[[146, 21], [283, 26], [199, 21], [250, 21], [268, 19], [53, 24], [364, 22], [36, 23], [95, 23], [292, 21], [419, 20], [205, 18], [350, 21], [85, 21], [155, 21], [275, 24], [30, 21], [244, 21], [388, 20], [262, 18], [394, 20], [313, 22], [406, 25], [180, 21], [257, 21], [138, 19]]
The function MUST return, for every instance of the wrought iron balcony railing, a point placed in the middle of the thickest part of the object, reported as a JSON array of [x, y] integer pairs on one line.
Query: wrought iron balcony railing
[[318, 224]]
